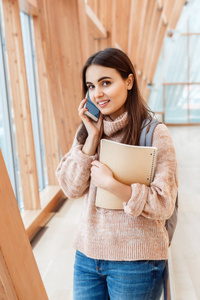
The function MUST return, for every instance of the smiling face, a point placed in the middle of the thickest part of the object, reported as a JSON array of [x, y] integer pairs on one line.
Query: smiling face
[[107, 89]]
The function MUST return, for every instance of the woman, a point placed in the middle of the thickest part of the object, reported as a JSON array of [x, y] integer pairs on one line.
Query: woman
[[121, 254]]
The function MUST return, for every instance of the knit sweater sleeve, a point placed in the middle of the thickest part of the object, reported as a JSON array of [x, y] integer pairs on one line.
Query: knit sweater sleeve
[[73, 172], [158, 200]]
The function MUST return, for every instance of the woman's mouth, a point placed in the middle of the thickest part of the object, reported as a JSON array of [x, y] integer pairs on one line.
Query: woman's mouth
[[103, 103]]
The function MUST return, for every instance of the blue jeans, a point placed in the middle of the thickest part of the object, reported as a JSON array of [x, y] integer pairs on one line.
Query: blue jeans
[[117, 280]]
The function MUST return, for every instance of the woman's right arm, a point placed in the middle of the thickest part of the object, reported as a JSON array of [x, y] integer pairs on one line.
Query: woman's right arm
[[73, 172]]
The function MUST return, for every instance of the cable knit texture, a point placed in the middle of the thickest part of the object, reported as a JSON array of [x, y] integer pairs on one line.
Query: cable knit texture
[[138, 231]]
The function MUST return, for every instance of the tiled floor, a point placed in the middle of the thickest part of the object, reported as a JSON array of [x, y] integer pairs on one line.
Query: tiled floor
[[53, 246]]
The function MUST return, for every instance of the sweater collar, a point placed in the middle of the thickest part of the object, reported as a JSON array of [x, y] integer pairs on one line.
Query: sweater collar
[[111, 127]]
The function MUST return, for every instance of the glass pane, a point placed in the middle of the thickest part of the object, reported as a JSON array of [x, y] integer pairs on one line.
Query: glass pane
[[155, 101], [176, 62], [194, 23], [7, 128], [33, 96], [182, 23], [194, 50], [194, 103], [176, 99]]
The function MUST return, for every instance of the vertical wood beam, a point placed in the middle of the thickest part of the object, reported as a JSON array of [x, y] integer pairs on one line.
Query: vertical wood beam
[[105, 14], [83, 28], [21, 105], [93, 43], [48, 121], [7, 290], [15, 247], [60, 25], [151, 38], [145, 34], [176, 13], [137, 14], [122, 20]]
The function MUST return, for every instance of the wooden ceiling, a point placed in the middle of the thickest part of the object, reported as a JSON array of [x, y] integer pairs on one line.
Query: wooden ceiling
[[66, 32]]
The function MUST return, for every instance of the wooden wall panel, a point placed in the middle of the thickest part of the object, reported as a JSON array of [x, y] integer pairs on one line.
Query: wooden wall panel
[[62, 44], [145, 34], [15, 249], [29, 7], [21, 105], [151, 39], [176, 13], [121, 18], [137, 14], [95, 27], [104, 12], [48, 121]]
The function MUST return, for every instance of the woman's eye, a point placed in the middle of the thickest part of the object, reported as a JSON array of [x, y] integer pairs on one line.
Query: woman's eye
[[90, 86], [105, 83]]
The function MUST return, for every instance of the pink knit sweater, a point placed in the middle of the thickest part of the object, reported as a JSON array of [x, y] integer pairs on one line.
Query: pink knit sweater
[[137, 232]]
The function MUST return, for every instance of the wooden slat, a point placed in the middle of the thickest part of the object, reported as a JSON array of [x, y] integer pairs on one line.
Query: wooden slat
[[64, 61], [95, 27], [137, 14], [151, 38], [176, 13], [168, 9], [48, 121], [122, 19], [21, 105], [83, 28], [7, 290], [93, 5], [29, 7], [105, 14], [145, 34], [15, 246]]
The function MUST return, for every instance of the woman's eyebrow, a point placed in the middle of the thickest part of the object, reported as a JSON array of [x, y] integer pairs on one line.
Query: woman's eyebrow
[[100, 79]]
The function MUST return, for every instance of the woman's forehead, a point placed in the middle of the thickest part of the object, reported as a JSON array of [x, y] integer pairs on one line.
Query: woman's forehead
[[96, 72]]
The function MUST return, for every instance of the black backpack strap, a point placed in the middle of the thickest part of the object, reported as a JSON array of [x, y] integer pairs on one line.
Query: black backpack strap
[[146, 135]]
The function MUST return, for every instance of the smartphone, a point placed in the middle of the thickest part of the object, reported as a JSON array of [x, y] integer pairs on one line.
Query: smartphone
[[93, 111]]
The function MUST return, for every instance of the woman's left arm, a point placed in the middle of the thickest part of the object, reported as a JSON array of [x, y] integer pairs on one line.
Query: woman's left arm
[[156, 201]]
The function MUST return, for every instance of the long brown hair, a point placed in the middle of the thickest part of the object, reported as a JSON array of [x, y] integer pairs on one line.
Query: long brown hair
[[135, 105]]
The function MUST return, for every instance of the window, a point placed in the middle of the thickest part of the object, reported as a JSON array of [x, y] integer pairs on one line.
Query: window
[[30, 59], [8, 141], [176, 89], [7, 127]]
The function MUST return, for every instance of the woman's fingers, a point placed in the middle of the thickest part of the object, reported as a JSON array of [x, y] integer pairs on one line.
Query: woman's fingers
[[81, 105], [96, 163], [82, 110]]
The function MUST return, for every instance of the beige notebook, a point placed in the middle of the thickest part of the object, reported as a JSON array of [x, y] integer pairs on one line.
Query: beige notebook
[[129, 164]]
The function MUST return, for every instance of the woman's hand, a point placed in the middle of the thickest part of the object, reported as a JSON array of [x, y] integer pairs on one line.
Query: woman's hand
[[103, 178], [94, 129], [101, 175]]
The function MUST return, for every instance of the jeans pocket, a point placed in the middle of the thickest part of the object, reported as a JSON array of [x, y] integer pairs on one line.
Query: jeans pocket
[[157, 263]]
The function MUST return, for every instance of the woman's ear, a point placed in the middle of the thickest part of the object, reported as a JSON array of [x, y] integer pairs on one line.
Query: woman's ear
[[130, 81]]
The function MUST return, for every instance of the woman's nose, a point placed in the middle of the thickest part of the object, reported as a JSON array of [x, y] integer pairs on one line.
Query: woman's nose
[[98, 93]]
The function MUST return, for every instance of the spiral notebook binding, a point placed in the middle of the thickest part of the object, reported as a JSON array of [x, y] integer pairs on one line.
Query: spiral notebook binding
[[152, 166]]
